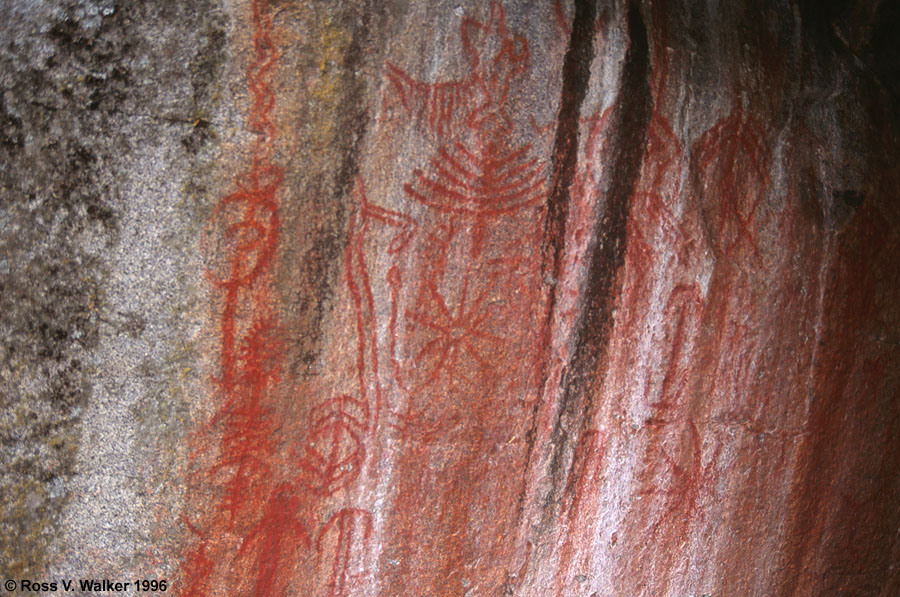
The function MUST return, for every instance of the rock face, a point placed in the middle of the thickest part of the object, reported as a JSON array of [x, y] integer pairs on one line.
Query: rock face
[[385, 298]]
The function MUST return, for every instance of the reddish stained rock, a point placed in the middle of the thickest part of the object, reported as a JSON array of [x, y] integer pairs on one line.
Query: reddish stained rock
[[554, 299], [647, 347]]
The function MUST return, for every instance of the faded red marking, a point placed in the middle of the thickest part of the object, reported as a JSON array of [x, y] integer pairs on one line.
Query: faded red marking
[[395, 283], [198, 562], [658, 238], [654, 230], [734, 341], [564, 23], [246, 444], [684, 307], [587, 178], [733, 157], [561, 20], [272, 543], [658, 189], [686, 485], [353, 528], [334, 452], [587, 462], [515, 267]]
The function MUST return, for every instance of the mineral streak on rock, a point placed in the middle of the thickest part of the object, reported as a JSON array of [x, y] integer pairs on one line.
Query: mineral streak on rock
[[385, 298]]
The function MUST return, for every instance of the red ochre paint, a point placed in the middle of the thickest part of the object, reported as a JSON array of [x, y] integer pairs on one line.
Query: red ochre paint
[[343, 539], [261, 522], [733, 154], [253, 524], [465, 304]]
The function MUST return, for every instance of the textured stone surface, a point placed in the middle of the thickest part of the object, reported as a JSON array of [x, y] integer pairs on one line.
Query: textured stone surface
[[442, 298]]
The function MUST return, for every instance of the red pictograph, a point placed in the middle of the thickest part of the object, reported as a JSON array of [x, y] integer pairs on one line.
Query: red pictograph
[[344, 541], [395, 284], [464, 304], [455, 336], [272, 543], [476, 177], [243, 234], [684, 482], [488, 179], [475, 170], [495, 57], [197, 565], [436, 104], [247, 221], [335, 451], [255, 530], [654, 224], [733, 156], [360, 287], [564, 21]]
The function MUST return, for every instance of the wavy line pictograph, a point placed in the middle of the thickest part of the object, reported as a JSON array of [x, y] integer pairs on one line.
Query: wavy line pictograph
[[243, 232], [265, 512]]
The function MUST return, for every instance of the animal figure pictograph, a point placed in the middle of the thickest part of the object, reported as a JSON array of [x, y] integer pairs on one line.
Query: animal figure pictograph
[[476, 170]]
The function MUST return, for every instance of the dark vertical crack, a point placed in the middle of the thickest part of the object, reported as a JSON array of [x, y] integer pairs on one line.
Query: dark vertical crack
[[630, 121], [576, 78], [628, 130], [311, 274]]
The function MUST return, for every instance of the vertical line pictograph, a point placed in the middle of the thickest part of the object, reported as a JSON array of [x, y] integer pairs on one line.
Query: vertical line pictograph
[[252, 508]]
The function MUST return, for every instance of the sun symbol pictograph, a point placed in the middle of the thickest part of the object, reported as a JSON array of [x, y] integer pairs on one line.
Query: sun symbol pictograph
[[457, 345]]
